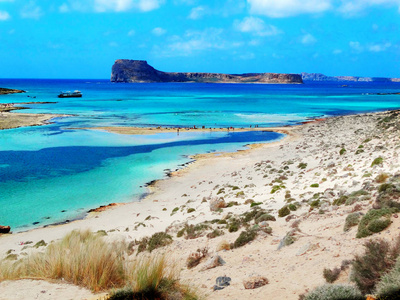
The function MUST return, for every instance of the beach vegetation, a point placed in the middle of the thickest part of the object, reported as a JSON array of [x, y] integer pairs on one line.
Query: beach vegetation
[[378, 258], [314, 185], [240, 194], [289, 238], [264, 217], [375, 220], [284, 211], [292, 206], [193, 231], [220, 191], [249, 201], [232, 203], [234, 225], [223, 245], [41, 243], [315, 203], [153, 278], [389, 284], [190, 210], [377, 161], [367, 140], [174, 210], [302, 165], [244, 238], [359, 151], [255, 204], [335, 292], [351, 220], [215, 233], [235, 188], [331, 275], [342, 151], [276, 188], [195, 258], [381, 178], [341, 200], [367, 174]]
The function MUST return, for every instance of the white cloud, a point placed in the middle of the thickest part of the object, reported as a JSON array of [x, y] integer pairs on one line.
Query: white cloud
[[158, 31], [197, 12], [102, 6], [308, 39], [355, 6], [379, 47], [4, 16], [32, 11], [256, 26], [356, 46], [197, 41], [286, 8]]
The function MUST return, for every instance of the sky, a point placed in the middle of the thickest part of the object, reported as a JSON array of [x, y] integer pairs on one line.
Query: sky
[[82, 39]]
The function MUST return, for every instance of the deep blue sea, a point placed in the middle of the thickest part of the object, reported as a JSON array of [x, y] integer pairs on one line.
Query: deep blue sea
[[53, 173]]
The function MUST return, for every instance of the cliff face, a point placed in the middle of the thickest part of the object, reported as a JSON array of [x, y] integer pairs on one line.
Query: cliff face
[[322, 77], [4, 91], [125, 70]]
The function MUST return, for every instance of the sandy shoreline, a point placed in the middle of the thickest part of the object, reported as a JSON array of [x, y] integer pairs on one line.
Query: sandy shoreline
[[255, 173], [10, 120]]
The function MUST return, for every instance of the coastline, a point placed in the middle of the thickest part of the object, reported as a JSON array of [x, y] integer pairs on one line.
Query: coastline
[[317, 144], [10, 120]]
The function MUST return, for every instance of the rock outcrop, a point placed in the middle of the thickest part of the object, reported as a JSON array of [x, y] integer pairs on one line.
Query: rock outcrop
[[4, 91], [125, 70], [322, 77]]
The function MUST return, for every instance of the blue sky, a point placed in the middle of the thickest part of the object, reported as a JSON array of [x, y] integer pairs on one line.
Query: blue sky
[[82, 39]]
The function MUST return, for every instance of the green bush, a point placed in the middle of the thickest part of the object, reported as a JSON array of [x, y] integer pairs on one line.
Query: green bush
[[378, 258], [335, 292], [302, 165], [341, 200], [264, 217], [389, 284], [377, 161], [314, 185], [244, 238], [284, 211], [375, 220], [255, 204], [190, 210], [157, 240], [342, 151], [331, 275], [351, 220]]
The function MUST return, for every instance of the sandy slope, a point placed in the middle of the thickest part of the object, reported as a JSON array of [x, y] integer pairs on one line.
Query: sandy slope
[[320, 242]]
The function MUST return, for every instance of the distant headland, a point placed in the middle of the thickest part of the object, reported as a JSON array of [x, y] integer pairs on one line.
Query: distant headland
[[4, 91], [322, 77], [125, 70]]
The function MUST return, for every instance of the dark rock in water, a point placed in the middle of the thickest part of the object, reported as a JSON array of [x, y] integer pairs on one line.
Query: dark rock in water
[[5, 229], [35, 223], [221, 283], [63, 211], [125, 70]]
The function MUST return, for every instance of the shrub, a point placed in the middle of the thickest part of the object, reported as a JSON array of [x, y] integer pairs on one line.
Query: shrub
[[389, 284], [223, 245], [234, 225], [244, 238], [302, 165], [342, 151], [292, 207], [264, 217], [284, 211], [157, 240], [255, 204], [151, 278], [335, 292], [377, 259], [381, 178], [215, 233], [341, 200], [351, 220], [196, 257], [377, 161], [314, 185], [190, 210], [375, 220], [331, 275]]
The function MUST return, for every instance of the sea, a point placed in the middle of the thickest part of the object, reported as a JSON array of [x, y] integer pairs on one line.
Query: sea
[[55, 173]]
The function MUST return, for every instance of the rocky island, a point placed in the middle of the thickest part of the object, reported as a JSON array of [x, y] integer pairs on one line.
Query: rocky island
[[125, 70], [322, 77], [4, 91]]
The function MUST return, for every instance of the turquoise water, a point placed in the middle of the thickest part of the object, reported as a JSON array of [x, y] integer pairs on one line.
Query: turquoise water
[[53, 173]]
